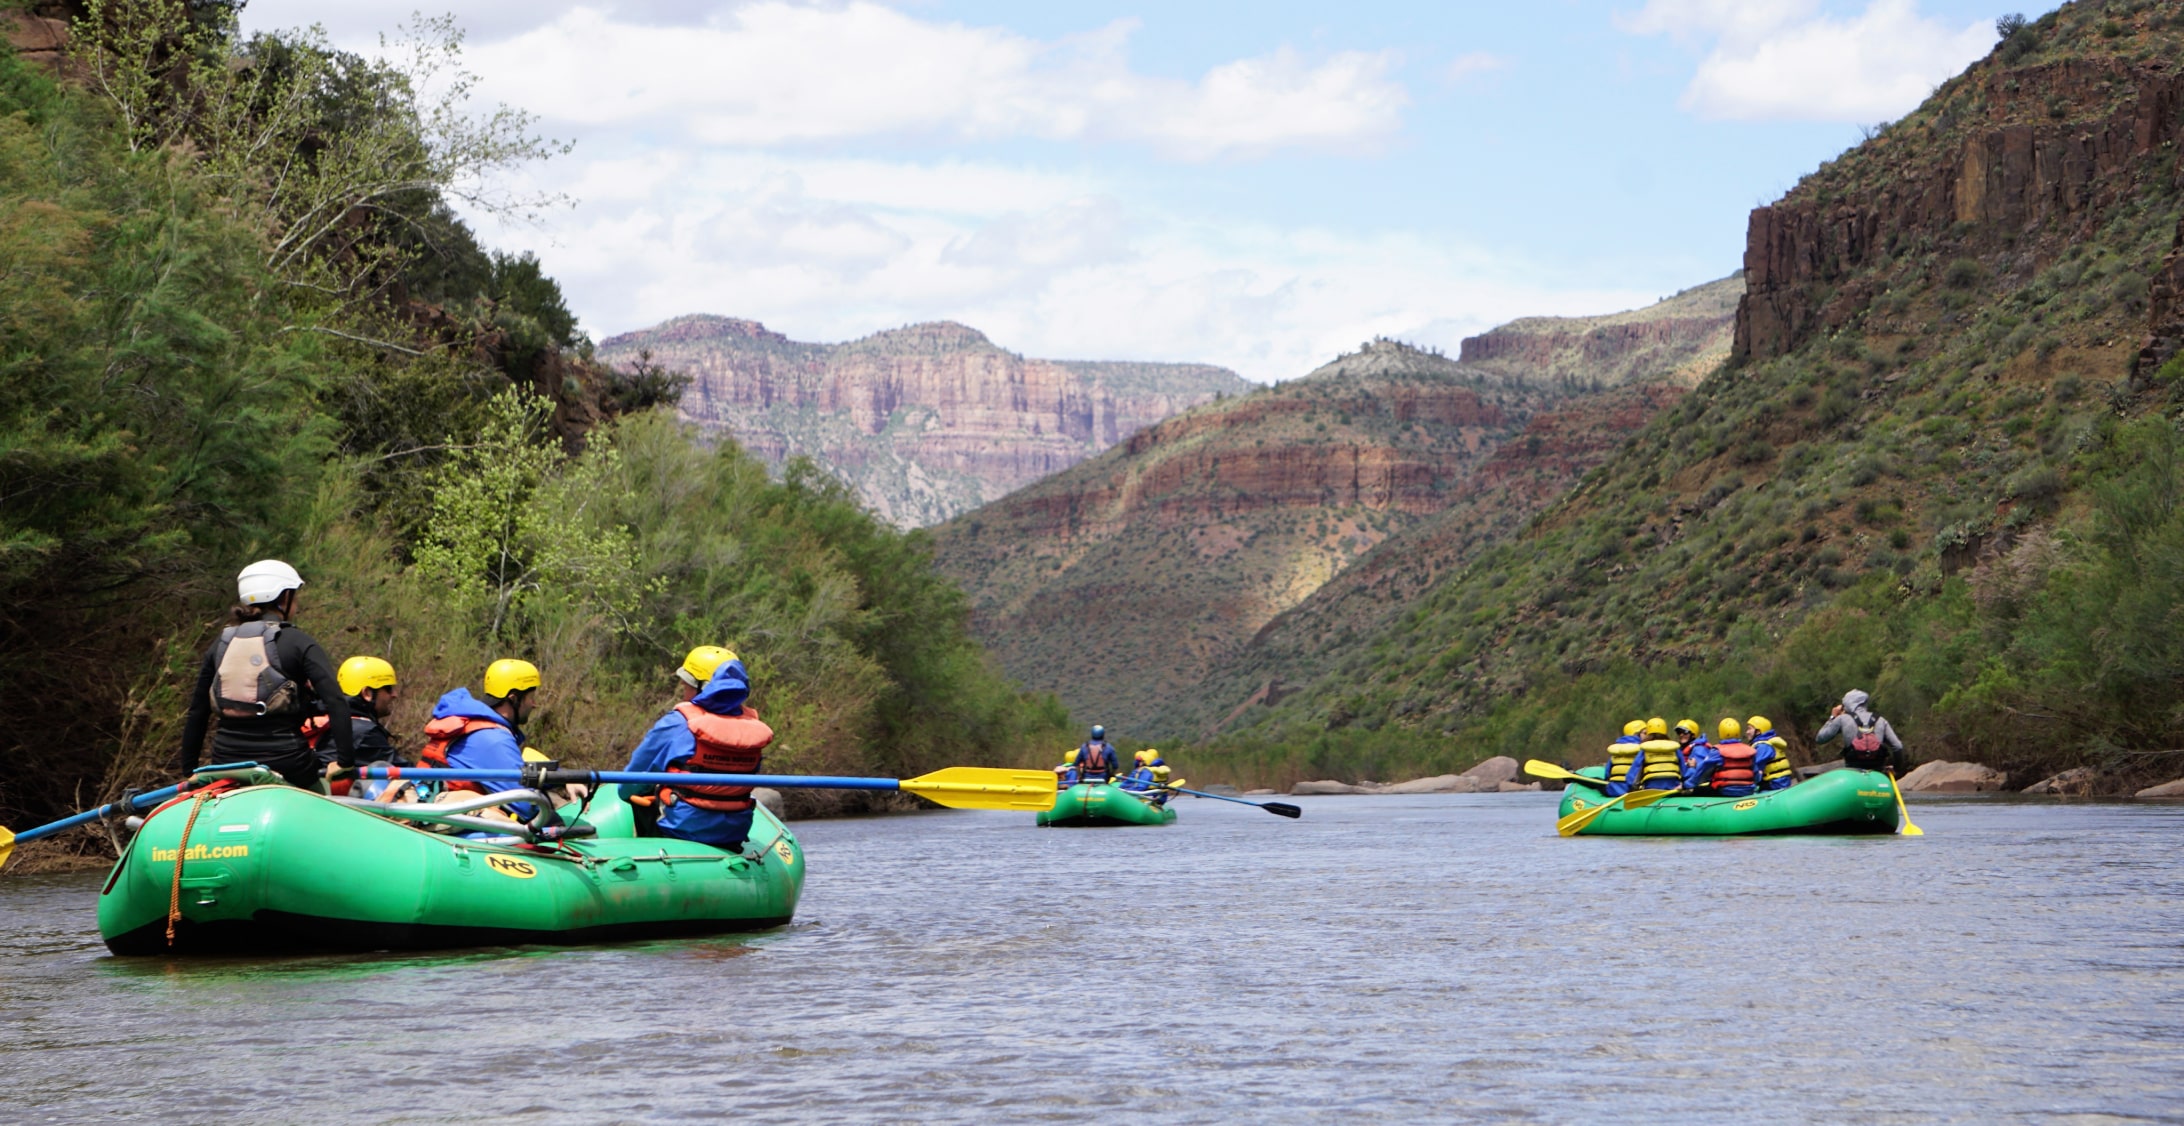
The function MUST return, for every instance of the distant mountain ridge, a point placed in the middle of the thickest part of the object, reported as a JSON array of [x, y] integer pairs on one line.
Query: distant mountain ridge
[[923, 421], [1135, 581]]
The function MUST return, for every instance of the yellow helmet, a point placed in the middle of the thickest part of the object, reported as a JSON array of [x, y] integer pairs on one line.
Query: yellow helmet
[[1729, 729], [508, 675], [360, 673], [1759, 723], [700, 663], [1634, 727], [1071, 757], [1690, 725], [1656, 726], [1146, 756]]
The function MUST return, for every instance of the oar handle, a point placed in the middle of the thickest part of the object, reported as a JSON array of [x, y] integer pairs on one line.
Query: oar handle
[[630, 778]]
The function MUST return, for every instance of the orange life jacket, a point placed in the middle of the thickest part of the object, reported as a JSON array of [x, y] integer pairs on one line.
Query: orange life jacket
[[1736, 765], [443, 731], [727, 744], [314, 729]]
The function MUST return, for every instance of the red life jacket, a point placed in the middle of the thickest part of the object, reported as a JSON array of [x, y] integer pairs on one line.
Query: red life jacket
[[727, 744], [442, 732], [314, 729], [1736, 765]]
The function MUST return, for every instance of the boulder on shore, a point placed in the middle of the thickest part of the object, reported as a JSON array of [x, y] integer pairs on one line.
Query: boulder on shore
[[1516, 787], [2074, 783], [1438, 784], [2165, 790], [1952, 778], [769, 798], [1327, 786], [1494, 771], [1257, 793]]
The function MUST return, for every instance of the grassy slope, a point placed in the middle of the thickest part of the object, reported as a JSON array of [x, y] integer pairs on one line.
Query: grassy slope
[[1812, 521]]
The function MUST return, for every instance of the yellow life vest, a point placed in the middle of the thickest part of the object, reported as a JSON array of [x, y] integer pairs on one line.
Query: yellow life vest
[[1620, 756], [1662, 761], [1779, 765]]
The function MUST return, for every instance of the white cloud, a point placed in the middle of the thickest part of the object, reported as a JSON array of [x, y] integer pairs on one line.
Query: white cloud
[[1047, 263], [775, 72], [1473, 65], [1774, 60]]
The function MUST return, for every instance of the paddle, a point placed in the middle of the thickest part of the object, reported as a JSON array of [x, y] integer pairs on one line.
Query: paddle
[[1635, 799], [135, 804], [1539, 769], [957, 787], [1908, 829], [1278, 809]]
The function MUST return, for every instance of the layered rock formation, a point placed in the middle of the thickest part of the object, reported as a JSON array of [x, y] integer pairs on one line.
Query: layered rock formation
[[1134, 584], [924, 421], [1999, 155]]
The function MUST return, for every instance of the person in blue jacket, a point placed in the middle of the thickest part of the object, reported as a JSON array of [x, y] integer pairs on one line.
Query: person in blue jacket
[[469, 733], [1731, 768], [709, 731], [1096, 760]]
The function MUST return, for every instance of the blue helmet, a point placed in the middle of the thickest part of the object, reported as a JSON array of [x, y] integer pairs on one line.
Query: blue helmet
[[1099, 732]]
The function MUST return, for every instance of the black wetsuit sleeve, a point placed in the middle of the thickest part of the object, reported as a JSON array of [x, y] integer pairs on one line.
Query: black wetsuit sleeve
[[199, 717], [372, 743], [318, 670]]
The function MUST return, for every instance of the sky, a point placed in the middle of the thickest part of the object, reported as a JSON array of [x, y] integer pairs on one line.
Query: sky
[[1262, 184]]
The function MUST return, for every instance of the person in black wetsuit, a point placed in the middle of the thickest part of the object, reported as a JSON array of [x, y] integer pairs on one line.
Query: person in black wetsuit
[[258, 677]]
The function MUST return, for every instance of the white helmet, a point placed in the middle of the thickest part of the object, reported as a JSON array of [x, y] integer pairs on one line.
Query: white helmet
[[266, 580]]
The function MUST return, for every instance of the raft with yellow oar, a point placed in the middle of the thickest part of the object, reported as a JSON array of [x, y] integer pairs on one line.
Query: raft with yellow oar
[[1101, 803], [1838, 802]]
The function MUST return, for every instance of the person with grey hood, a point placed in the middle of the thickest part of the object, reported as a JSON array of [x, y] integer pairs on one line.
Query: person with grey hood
[[1869, 743]]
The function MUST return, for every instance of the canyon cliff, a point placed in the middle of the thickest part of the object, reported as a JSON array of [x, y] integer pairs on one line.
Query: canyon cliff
[[1135, 580], [923, 422]]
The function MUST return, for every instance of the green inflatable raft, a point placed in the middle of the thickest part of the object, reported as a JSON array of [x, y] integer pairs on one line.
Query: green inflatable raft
[[270, 868], [1102, 804], [1837, 802]]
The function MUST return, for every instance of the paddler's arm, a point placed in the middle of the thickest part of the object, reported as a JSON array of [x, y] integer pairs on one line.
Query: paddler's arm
[[668, 741], [319, 670], [198, 719]]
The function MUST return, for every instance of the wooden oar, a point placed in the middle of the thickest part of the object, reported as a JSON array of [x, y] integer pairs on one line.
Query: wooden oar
[[1540, 769], [1278, 809], [1635, 799], [1908, 830], [957, 787]]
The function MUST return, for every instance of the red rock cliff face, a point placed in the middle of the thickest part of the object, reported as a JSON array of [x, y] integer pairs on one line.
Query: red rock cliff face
[[924, 421], [2018, 152]]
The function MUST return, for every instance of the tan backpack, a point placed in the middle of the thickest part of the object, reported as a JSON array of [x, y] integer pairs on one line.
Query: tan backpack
[[247, 676]]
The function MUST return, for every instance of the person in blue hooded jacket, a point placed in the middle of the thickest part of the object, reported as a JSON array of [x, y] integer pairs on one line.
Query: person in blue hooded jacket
[[467, 733], [710, 730]]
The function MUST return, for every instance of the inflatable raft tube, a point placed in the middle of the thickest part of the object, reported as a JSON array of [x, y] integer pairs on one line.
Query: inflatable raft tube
[[1837, 802], [1086, 804], [271, 868]]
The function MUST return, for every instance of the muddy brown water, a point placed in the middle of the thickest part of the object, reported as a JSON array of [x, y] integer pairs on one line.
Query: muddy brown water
[[1428, 958]]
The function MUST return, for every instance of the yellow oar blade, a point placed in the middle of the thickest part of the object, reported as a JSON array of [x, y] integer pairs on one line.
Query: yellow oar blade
[[1541, 769], [1636, 799], [1908, 830], [7, 846], [979, 787]]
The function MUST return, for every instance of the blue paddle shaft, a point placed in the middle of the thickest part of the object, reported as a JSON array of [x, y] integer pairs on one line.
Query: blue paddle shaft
[[141, 801], [640, 778]]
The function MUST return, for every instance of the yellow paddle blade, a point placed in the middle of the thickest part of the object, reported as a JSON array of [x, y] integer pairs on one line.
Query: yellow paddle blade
[[7, 846], [1636, 799], [1540, 769], [1908, 830], [979, 787]]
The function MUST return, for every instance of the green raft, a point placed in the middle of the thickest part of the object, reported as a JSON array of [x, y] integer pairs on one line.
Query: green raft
[[271, 868], [1837, 802], [1101, 804]]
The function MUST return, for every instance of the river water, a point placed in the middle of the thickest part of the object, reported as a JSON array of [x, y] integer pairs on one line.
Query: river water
[[1438, 958]]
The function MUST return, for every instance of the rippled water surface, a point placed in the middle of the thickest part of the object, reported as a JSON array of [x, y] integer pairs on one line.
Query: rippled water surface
[[1424, 958]]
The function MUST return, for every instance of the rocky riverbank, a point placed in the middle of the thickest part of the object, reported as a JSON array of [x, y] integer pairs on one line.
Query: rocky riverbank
[[1496, 775]]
